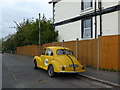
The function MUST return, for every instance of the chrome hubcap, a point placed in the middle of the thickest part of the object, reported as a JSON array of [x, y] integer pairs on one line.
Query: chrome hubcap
[[50, 71]]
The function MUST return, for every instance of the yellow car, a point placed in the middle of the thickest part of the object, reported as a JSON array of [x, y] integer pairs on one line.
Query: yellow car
[[58, 60]]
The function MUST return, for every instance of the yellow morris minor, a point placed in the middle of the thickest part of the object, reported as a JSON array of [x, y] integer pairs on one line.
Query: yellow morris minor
[[58, 60]]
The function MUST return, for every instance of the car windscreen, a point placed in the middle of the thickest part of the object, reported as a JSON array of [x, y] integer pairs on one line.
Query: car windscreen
[[64, 52]]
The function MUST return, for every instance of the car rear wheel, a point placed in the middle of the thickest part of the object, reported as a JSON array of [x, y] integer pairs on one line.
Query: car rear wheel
[[51, 72], [35, 64]]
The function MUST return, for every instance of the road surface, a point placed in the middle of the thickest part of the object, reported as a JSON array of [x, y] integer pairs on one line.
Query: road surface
[[18, 72]]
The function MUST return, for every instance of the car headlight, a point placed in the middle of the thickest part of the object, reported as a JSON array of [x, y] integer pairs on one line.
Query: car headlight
[[64, 65]]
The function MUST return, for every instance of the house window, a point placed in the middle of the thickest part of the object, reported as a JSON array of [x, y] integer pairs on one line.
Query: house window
[[86, 4], [87, 28]]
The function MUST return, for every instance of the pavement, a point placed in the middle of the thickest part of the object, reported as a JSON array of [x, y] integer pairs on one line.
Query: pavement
[[107, 76]]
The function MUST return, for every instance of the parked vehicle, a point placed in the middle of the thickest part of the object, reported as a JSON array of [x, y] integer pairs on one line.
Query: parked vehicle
[[58, 60]]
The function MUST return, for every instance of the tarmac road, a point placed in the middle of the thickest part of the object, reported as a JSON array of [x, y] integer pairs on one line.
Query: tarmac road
[[18, 72]]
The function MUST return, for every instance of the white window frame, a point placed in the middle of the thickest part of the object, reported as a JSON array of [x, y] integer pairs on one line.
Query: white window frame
[[84, 29], [85, 35], [87, 8]]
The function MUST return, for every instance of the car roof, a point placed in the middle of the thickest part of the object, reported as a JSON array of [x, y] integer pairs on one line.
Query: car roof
[[57, 47]]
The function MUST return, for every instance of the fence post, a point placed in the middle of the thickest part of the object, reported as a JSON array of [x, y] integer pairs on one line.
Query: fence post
[[62, 43], [98, 60], [77, 48]]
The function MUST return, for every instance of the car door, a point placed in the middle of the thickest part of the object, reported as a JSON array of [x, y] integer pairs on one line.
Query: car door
[[41, 63], [48, 57]]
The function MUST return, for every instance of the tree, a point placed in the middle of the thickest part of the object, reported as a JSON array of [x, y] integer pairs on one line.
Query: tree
[[9, 44], [28, 33]]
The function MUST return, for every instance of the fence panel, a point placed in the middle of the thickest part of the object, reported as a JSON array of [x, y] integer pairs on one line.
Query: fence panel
[[87, 52], [57, 44], [71, 45], [30, 50], [109, 52], [95, 53]]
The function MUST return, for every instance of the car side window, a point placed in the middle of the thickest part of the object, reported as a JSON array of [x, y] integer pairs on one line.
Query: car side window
[[49, 52], [64, 52]]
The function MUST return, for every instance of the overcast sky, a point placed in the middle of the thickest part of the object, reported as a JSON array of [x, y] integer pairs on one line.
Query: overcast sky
[[17, 10]]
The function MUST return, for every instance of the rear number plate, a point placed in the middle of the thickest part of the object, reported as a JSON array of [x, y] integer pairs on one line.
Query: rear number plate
[[73, 65]]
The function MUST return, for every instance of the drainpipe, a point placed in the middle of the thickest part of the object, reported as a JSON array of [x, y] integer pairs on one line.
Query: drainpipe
[[95, 21], [100, 9]]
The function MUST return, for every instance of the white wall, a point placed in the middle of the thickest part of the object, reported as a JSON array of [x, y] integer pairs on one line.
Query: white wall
[[110, 23], [66, 10], [107, 4], [69, 31]]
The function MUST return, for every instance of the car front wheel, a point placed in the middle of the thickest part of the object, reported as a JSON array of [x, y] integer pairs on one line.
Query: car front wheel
[[51, 72]]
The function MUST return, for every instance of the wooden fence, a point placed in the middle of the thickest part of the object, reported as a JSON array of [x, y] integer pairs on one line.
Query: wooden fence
[[98, 53], [30, 50], [88, 52], [109, 52]]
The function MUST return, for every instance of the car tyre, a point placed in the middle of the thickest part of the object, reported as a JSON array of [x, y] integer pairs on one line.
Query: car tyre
[[35, 64], [51, 72]]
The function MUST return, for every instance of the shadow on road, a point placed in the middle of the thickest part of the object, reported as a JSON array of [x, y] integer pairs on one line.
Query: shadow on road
[[61, 75]]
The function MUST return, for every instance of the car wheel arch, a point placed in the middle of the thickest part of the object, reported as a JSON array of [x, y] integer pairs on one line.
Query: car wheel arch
[[49, 66], [37, 58], [54, 64], [34, 60]]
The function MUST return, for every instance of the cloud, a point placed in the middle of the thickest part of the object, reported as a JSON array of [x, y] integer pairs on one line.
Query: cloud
[[18, 10]]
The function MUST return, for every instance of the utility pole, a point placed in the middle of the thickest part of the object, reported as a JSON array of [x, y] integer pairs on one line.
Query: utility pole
[[39, 34]]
